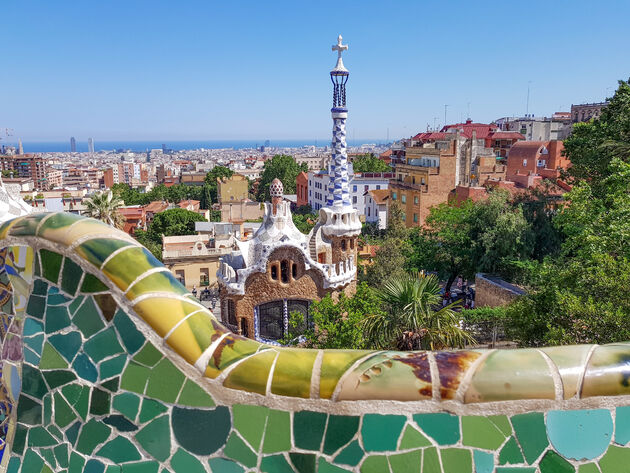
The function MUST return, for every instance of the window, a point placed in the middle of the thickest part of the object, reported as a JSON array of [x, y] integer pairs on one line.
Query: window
[[524, 162], [301, 307], [204, 277], [179, 274], [415, 218], [274, 272], [354, 188], [404, 217], [366, 187], [393, 196], [368, 211], [422, 181], [231, 312], [294, 270], [403, 198], [343, 245], [541, 163], [415, 200], [354, 199], [284, 271], [352, 243], [378, 186], [271, 320]]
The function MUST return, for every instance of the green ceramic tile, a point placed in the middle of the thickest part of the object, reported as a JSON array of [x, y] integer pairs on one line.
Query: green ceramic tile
[[55, 432], [554, 463], [57, 318], [87, 318], [324, 467], [47, 409], [484, 462], [39, 437], [92, 284], [223, 465], [250, 422], [70, 276], [340, 430], [49, 457], [132, 338], [36, 306], [165, 381], [127, 404], [66, 344], [51, 359], [615, 460], [502, 423], [441, 427], [61, 454], [201, 432], [622, 425], [162, 281], [275, 464], [40, 287], [64, 414], [141, 467], [351, 455], [102, 345], [514, 469], [511, 453], [51, 264], [155, 438], [239, 451], [120, 423], [303, 462], [76, 463], [32, 462], [150, 410], [100, 402], [412, 438], [148, 356], [33, 382], [456, 459], [406, 462], [73, 432], [134, 378], [480, 432], [93, 433], [32, 327], [375, 464], [183, 462], [278, 432], [293, 372], [29, 411], [85, 368], [126, 266], [589, 468], [531, 434], [591, 432], [112, 367], [119, 450], [308, 429], [19, 440], [97, 250], [78, 397], [194, 396], [431, 461], [380, 432], [111, 385]]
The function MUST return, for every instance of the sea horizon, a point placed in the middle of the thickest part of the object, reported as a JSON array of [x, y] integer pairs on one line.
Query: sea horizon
[[176, 145]]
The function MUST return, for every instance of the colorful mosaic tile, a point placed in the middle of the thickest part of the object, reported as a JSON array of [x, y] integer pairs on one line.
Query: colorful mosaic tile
[[109, 367]]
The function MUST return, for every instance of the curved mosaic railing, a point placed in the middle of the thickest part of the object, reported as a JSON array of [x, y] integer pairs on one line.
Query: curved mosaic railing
[[110, 366]]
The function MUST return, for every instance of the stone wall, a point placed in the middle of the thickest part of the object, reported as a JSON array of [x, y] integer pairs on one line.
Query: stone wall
[[492, 291], [110, 366]]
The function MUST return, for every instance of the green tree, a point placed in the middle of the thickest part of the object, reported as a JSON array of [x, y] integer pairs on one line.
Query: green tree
[[173, 222], [461, 240], [581, 295], [592, 146], [389, 260], [305, 222], [283, 167], [410, 320], [370, 163], [337, 325], [104, 206]]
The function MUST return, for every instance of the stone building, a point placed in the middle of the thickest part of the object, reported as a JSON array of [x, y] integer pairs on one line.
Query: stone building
[[281, 270], [586, 111], [232, 189]]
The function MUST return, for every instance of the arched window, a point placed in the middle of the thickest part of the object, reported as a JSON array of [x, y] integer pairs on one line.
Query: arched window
[[352, 243], [244, 328], [284, 271], [271, 320], [294, 270], [343, 245], [274, 272], [231, 312]]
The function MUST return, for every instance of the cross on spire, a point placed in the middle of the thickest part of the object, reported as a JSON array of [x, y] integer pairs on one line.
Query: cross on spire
[[339, 48]]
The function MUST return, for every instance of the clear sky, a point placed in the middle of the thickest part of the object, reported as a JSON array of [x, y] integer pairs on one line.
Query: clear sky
[[178, 70]]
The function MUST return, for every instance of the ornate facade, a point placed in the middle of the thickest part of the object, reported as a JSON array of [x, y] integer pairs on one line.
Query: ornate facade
[[281, 270]]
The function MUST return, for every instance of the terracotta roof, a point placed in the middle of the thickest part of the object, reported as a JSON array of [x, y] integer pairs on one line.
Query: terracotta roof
[[156, 206], [506, 135], [526, 149], [379, 195]]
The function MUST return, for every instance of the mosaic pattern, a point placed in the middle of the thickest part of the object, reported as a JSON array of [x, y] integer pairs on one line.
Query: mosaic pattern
[[110, 366]]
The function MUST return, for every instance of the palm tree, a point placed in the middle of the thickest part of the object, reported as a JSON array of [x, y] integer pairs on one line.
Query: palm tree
[[104, 206], [413, 318]]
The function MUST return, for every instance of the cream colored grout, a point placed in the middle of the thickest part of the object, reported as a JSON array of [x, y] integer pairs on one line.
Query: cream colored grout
[[41, 222], [316, 375], [555, 375], [468, 376], [145, 275], [436, 384], [170, 332], [580, 383], [114, 254], [271, 373], [93, 236], [204, 359], [349, 371]]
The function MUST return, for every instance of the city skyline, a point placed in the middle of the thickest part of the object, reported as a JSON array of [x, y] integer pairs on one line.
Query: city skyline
[[208, 72]]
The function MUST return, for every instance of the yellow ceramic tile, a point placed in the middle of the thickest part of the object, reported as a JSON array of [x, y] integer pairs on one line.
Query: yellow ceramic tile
[[192, 336], [252, 374], [507, 375], [162, 281], [67, 235], [163, 313], [334, 364], [293, 371], [608, 372], [571, 361], [231, 349], [126, 266], [399, 376]]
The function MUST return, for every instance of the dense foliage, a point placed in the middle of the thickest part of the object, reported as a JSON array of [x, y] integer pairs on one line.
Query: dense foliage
[[104, 206], [370, 163], [282, 167]]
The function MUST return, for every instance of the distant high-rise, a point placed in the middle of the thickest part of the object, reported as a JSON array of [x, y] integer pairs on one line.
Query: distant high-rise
[[90, 145], [73, 145]]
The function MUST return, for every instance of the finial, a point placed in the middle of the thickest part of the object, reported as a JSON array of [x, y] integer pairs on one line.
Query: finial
[[276, 189], [339, 48]]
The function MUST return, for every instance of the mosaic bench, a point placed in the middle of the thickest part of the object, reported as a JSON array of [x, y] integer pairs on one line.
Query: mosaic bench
[[109, 365]]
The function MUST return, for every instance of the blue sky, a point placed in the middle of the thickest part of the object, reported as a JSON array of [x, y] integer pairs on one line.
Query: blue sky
[[136, 69]]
